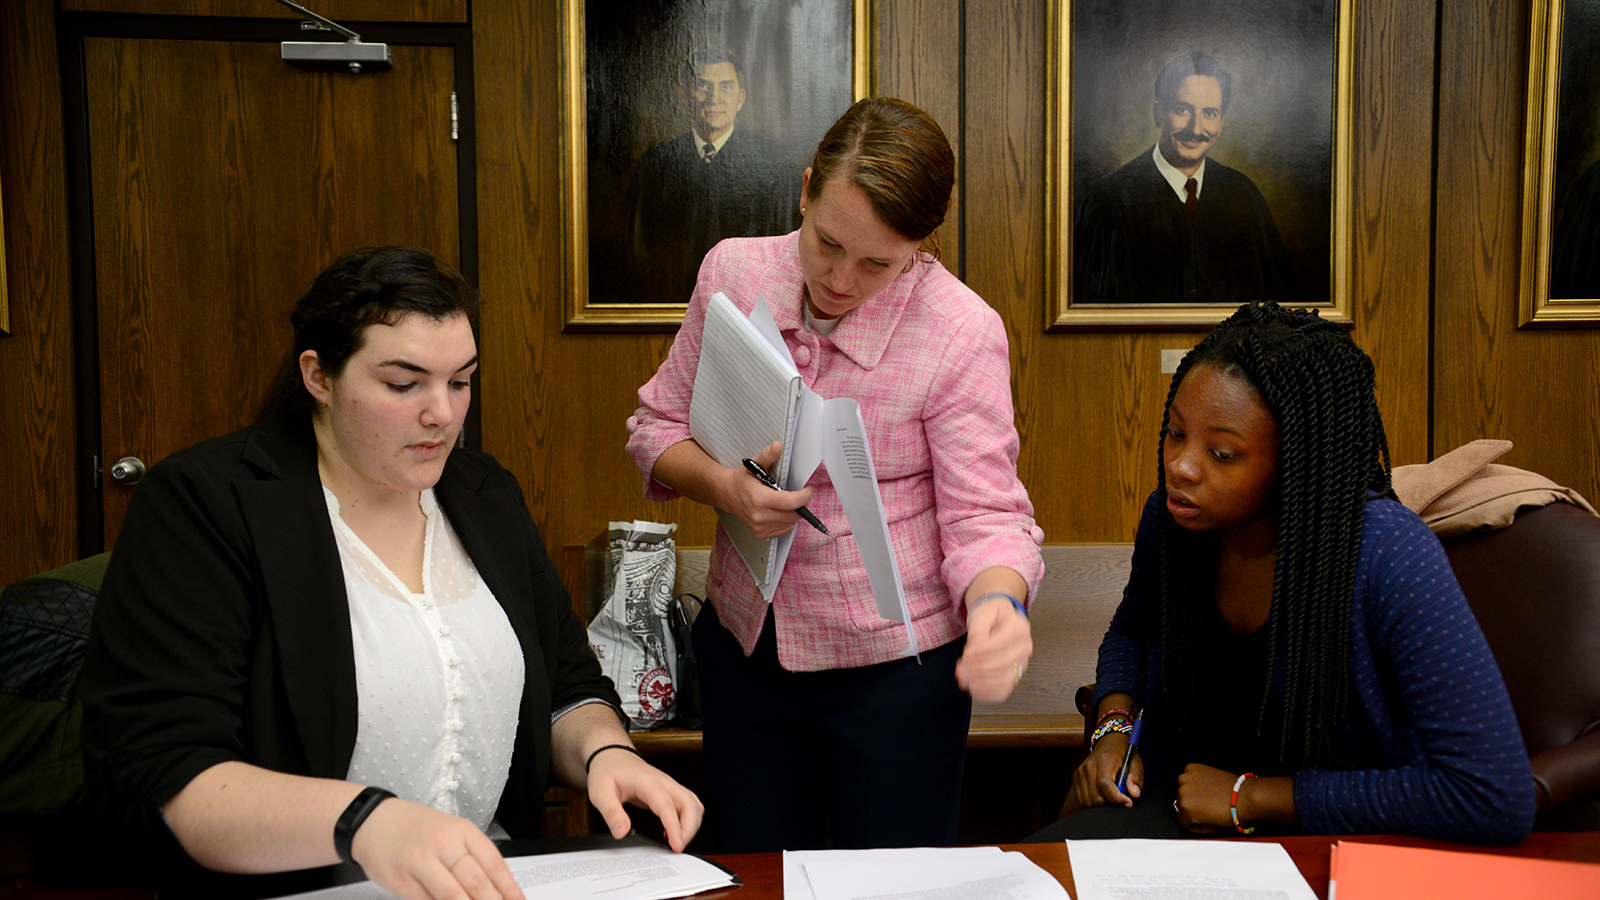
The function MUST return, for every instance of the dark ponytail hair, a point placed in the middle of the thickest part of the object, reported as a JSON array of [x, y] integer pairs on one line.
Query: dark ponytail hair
[[370, 286], [1333, 457]]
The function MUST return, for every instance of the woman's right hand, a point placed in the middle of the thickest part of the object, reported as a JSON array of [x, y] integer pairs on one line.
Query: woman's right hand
[[420, 853], [1094, 783], [766, 512]]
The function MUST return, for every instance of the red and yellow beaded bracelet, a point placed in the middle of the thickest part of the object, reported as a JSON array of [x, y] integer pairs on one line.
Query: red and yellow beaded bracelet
[[1233, 804]]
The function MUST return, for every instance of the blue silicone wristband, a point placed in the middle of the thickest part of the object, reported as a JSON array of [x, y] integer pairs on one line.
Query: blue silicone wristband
[[1021, 610]]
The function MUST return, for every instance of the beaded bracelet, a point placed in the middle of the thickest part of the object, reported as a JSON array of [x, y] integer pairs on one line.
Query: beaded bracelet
[[1126, 714], [1119, 727], [1233, 804]]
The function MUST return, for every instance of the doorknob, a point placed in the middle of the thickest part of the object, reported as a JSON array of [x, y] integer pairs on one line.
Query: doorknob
[[127, 471]]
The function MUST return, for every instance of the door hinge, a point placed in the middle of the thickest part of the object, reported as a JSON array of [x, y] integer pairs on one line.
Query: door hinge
[[96, 473], [455, 119]]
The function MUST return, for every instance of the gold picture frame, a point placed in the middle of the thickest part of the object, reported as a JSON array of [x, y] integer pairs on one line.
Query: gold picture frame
[[1549, 177], [584, 312], [1063, 311]]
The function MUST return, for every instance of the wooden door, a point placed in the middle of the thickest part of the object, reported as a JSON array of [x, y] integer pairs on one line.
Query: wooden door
[[222, 181]]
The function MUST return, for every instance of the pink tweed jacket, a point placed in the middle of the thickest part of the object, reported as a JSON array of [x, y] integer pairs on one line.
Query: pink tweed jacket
[[927, 361]]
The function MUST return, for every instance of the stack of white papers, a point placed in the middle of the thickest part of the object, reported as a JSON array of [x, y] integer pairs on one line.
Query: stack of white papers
[[944, 873], [615, 873], [1202, 870], [747, 394]]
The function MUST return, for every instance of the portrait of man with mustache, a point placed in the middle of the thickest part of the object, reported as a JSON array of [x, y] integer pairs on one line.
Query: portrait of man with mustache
[[1174, 226]]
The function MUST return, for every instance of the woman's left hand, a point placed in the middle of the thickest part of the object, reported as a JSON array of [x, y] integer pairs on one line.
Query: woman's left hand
[[999, 645], [617, 776], [1203, 798]]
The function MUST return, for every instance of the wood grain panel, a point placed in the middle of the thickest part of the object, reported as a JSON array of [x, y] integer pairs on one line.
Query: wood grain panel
[[341, 11], [1535, 388], [1088, 404], [215, 208], [1393, 124], [37, 440], [554, 405], [917, 47]]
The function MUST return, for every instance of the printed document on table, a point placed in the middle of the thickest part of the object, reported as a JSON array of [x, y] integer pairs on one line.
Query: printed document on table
[[1137, 868], [946, 873], [615, 873], [747, 394], [796, 887]]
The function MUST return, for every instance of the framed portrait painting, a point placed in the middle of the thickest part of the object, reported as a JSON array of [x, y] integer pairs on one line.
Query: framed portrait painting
[[1200, 159], [1560, 275], [687, 122]]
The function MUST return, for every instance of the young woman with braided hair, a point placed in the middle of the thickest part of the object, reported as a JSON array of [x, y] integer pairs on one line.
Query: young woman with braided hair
[[1294, 638]]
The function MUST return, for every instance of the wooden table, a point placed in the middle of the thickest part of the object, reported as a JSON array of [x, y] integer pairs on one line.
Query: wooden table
[[762, 873]]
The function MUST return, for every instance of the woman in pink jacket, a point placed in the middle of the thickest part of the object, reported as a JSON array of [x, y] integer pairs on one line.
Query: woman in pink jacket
[[815, 723]]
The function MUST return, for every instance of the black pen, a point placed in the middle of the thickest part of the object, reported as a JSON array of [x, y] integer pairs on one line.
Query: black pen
[[770, 482], [1133, 744]]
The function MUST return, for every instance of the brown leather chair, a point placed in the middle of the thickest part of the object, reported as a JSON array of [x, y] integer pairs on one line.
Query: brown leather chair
[[1535, 588]]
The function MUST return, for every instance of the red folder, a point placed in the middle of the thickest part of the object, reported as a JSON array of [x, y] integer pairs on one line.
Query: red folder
[[1386, 872]]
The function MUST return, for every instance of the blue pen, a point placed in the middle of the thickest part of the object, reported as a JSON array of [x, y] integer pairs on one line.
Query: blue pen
[[1127, 758]]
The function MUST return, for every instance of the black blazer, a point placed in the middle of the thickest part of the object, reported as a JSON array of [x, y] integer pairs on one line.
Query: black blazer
[[223, 629]]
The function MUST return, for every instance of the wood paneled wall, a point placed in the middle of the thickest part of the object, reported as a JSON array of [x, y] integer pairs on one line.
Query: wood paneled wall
[[341, 11], [1538, 388], [1088, 405], [38, 498], [1434, 281]]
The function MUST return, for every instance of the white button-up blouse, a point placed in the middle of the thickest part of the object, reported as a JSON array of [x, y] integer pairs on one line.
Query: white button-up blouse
[[439, 674]]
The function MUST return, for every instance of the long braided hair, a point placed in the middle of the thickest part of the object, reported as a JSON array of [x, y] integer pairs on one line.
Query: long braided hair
[[1333, 455]]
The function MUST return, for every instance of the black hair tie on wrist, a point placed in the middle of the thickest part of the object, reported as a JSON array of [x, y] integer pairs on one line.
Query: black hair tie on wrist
[[628, 747], [344, 830]]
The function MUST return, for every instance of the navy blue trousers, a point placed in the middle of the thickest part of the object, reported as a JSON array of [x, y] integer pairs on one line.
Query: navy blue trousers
[[844, 758]]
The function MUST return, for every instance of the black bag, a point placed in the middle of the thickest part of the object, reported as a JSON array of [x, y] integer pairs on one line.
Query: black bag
[[680, 616]]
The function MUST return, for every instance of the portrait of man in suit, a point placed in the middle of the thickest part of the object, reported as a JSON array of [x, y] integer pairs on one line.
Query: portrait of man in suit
[[721, 178], [757, 82], [1173, 225], [1198, 164]]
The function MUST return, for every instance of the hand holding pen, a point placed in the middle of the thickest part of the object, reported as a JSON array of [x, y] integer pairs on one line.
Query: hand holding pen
[[1127, 756], [755, 469]]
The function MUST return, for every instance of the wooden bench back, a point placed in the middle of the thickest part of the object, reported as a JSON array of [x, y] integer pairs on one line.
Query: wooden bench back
[[1082, 585]]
